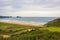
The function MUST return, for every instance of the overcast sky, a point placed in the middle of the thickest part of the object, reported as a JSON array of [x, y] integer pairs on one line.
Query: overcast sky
[[30, 8]]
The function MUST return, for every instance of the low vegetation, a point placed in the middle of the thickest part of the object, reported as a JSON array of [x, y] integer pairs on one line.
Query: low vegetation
[[21, 32], [55, 22]]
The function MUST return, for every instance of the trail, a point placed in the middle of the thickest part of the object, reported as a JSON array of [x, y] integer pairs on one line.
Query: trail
[[23, 31], [20, 32]]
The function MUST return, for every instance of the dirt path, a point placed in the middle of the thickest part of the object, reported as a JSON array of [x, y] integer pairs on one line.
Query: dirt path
[[23, 31], [20, 32]]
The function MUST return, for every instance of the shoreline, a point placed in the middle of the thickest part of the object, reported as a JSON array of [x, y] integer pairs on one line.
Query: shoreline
[[26, 24]]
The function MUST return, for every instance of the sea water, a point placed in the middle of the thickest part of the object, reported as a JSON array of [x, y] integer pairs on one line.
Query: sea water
[[38, 20]]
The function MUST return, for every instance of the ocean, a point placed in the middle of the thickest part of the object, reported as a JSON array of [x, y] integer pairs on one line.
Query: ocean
[[37, 20]]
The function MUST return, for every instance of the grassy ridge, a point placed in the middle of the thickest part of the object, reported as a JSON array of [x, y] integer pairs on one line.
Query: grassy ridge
[[55, 22]]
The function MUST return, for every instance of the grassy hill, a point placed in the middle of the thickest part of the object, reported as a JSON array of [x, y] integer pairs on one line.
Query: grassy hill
[[55, 22], [12, 31]]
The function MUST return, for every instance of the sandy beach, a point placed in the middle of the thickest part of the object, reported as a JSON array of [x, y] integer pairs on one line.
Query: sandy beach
[[26, 24]]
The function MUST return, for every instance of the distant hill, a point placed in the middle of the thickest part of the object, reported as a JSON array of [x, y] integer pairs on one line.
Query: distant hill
[[18, 16], [55, 22], [10, 17], [5, 16]]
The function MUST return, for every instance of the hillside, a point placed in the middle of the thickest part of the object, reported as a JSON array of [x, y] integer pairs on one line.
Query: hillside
[[10, 31], [55, 22]]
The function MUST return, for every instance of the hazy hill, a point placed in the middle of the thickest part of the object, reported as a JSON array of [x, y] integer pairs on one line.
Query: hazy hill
[[55, 22], [5, 16]]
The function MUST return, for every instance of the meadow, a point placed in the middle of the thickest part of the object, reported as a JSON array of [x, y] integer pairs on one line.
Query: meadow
[[12, 32]]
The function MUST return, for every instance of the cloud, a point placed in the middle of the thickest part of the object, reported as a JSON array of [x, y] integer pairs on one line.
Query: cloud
[[36, 13], [16, 6]]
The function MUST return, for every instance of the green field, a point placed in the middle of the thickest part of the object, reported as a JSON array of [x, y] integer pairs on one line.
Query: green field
[[51, 29], [37, 33]]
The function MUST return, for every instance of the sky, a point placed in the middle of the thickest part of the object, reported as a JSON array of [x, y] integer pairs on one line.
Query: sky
[[30, 8]]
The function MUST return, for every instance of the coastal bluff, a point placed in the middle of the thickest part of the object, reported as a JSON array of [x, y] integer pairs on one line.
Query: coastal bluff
[[55, 22]]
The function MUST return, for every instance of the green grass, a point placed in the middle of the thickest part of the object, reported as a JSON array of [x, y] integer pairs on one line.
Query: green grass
[[37, 35], [52, 29], [8, 24], [16, 27], [5, 26], [10, 28], [40, 33]]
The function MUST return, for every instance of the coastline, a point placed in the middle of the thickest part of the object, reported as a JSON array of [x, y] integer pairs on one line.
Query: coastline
[[26, 24]]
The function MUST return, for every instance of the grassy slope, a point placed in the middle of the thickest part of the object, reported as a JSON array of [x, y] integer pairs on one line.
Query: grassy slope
[[55, 22], [10, 28], [52, 29], [45, 33]]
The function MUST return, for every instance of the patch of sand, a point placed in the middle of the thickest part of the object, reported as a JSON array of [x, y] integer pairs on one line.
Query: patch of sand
[[5, 36], [26, 24]]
